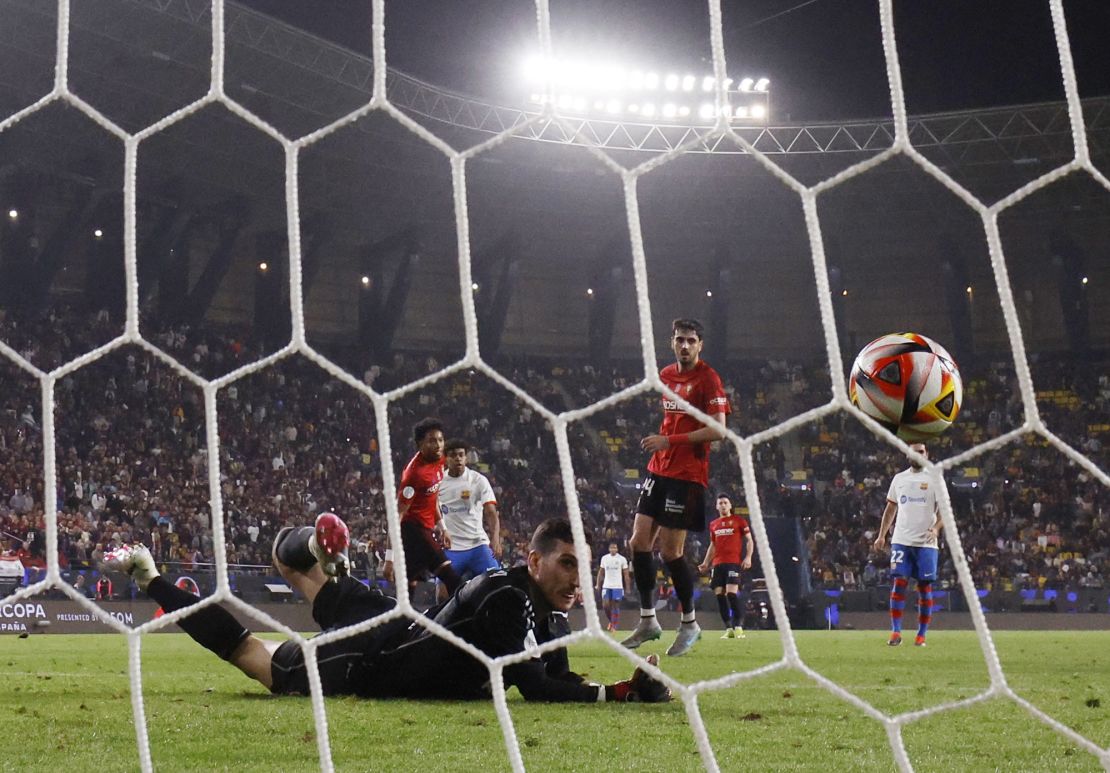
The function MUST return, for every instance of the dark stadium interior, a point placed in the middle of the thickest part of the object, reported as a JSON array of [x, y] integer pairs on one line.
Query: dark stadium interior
[[555, 298]]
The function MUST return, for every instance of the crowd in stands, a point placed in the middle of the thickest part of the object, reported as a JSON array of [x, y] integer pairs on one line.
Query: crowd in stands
[[132, 455]]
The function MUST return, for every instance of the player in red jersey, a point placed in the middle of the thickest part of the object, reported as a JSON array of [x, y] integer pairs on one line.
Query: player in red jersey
[[672, 500], [728, 557], [418, 504]]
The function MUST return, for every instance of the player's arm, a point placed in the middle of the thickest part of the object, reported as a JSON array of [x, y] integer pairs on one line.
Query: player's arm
[[403, 506], [714, 430], [492, 520], [704, 565], [938, 524], [600, 577], [884, 527], [627, 580], [749, 550]]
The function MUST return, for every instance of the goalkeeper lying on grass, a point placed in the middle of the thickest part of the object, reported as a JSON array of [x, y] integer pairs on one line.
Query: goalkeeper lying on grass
[[500, 613]]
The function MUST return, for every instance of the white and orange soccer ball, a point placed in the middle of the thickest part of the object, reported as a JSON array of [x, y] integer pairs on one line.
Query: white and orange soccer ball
[[908, 383]]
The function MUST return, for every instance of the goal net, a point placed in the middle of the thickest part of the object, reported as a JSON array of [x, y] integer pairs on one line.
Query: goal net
[[222, 419]]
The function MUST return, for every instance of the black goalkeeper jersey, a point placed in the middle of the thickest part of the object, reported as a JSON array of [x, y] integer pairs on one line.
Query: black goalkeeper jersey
[[500, 613]]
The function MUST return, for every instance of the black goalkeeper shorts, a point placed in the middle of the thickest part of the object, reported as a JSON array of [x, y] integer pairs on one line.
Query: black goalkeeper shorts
[[337, 605]]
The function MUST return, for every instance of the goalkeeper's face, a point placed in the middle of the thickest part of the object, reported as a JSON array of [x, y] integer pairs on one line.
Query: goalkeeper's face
[[556, 574]]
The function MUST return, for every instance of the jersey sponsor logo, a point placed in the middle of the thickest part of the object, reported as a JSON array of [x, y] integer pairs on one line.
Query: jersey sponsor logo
[[912, 500], [718, 401], [432, 489], [671, 405], [924, 486], [726, 532]]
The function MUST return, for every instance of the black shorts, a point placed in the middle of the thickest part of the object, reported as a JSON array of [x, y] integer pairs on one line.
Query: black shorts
[[423, 555], [337, 605], [725, 574], [676, 504]]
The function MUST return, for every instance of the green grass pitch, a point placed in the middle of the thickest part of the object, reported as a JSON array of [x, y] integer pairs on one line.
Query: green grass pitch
[[67, 706]]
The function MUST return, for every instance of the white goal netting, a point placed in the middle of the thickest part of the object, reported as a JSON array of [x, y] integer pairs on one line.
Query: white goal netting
[[293, 148]]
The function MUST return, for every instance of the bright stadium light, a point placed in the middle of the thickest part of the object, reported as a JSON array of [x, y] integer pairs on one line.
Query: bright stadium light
[[683, 111], [688, 83], [648, 109], [705, 111], [762, 84], [671, 82], [565, 100], [670, 110], [365, 280], [13, 214], [98, 233], [708, 293], [636, 80], [474, 287], [651, 81], [580, 104], [263, 267], [633, 108], [589, 291], [613, 107], [707, 83], [1084, 280], [746, 84], [758, 111], [741, 112]]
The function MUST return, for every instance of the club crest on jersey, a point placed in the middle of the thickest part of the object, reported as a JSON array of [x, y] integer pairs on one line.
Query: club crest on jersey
[[924, 486], [465, 493]]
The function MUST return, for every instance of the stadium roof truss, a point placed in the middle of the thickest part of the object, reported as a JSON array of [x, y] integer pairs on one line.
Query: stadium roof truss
[[1011, 135]]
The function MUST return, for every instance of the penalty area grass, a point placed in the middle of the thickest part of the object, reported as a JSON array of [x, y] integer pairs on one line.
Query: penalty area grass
[[68, 705]]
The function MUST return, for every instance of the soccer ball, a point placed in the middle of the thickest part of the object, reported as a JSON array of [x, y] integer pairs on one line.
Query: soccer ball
[[909, 384]]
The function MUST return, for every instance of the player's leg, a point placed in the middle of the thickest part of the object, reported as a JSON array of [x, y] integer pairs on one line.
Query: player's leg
[[732, 593], [325, 543], [613, 598], [642, 542], [899, 573], [212, 626], [926, 566], [724, 610], [672, 545]]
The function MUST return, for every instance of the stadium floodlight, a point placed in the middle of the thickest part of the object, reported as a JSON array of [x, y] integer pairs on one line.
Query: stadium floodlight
[[589, 291], [706, 111], [474, 286], [633, 108], [98, 233], [613, 106], [671, 82], [565, 100], [365, 280], [684, 110], [969, 289], [599, 104], [670, 110], [688, 83], [1084, 280], [844, 293], [708, 82], [651, 81], [758, 111], [636, 80], [648, 109], [746, 84], [13, 214], [263, 267], [580, 104], [708, 293], [762, 84], [741, 112]]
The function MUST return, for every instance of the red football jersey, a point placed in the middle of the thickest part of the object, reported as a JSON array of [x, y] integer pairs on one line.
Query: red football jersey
[[727, 535], [420, 488], [702, 388]]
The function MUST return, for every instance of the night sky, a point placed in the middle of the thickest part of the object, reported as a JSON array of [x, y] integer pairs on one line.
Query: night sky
[[824, 57]]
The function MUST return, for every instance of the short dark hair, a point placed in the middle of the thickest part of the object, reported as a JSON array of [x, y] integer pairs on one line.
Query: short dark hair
[[688, 324], [551, 532], [724, 495], [424, 426], [454, 443]]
